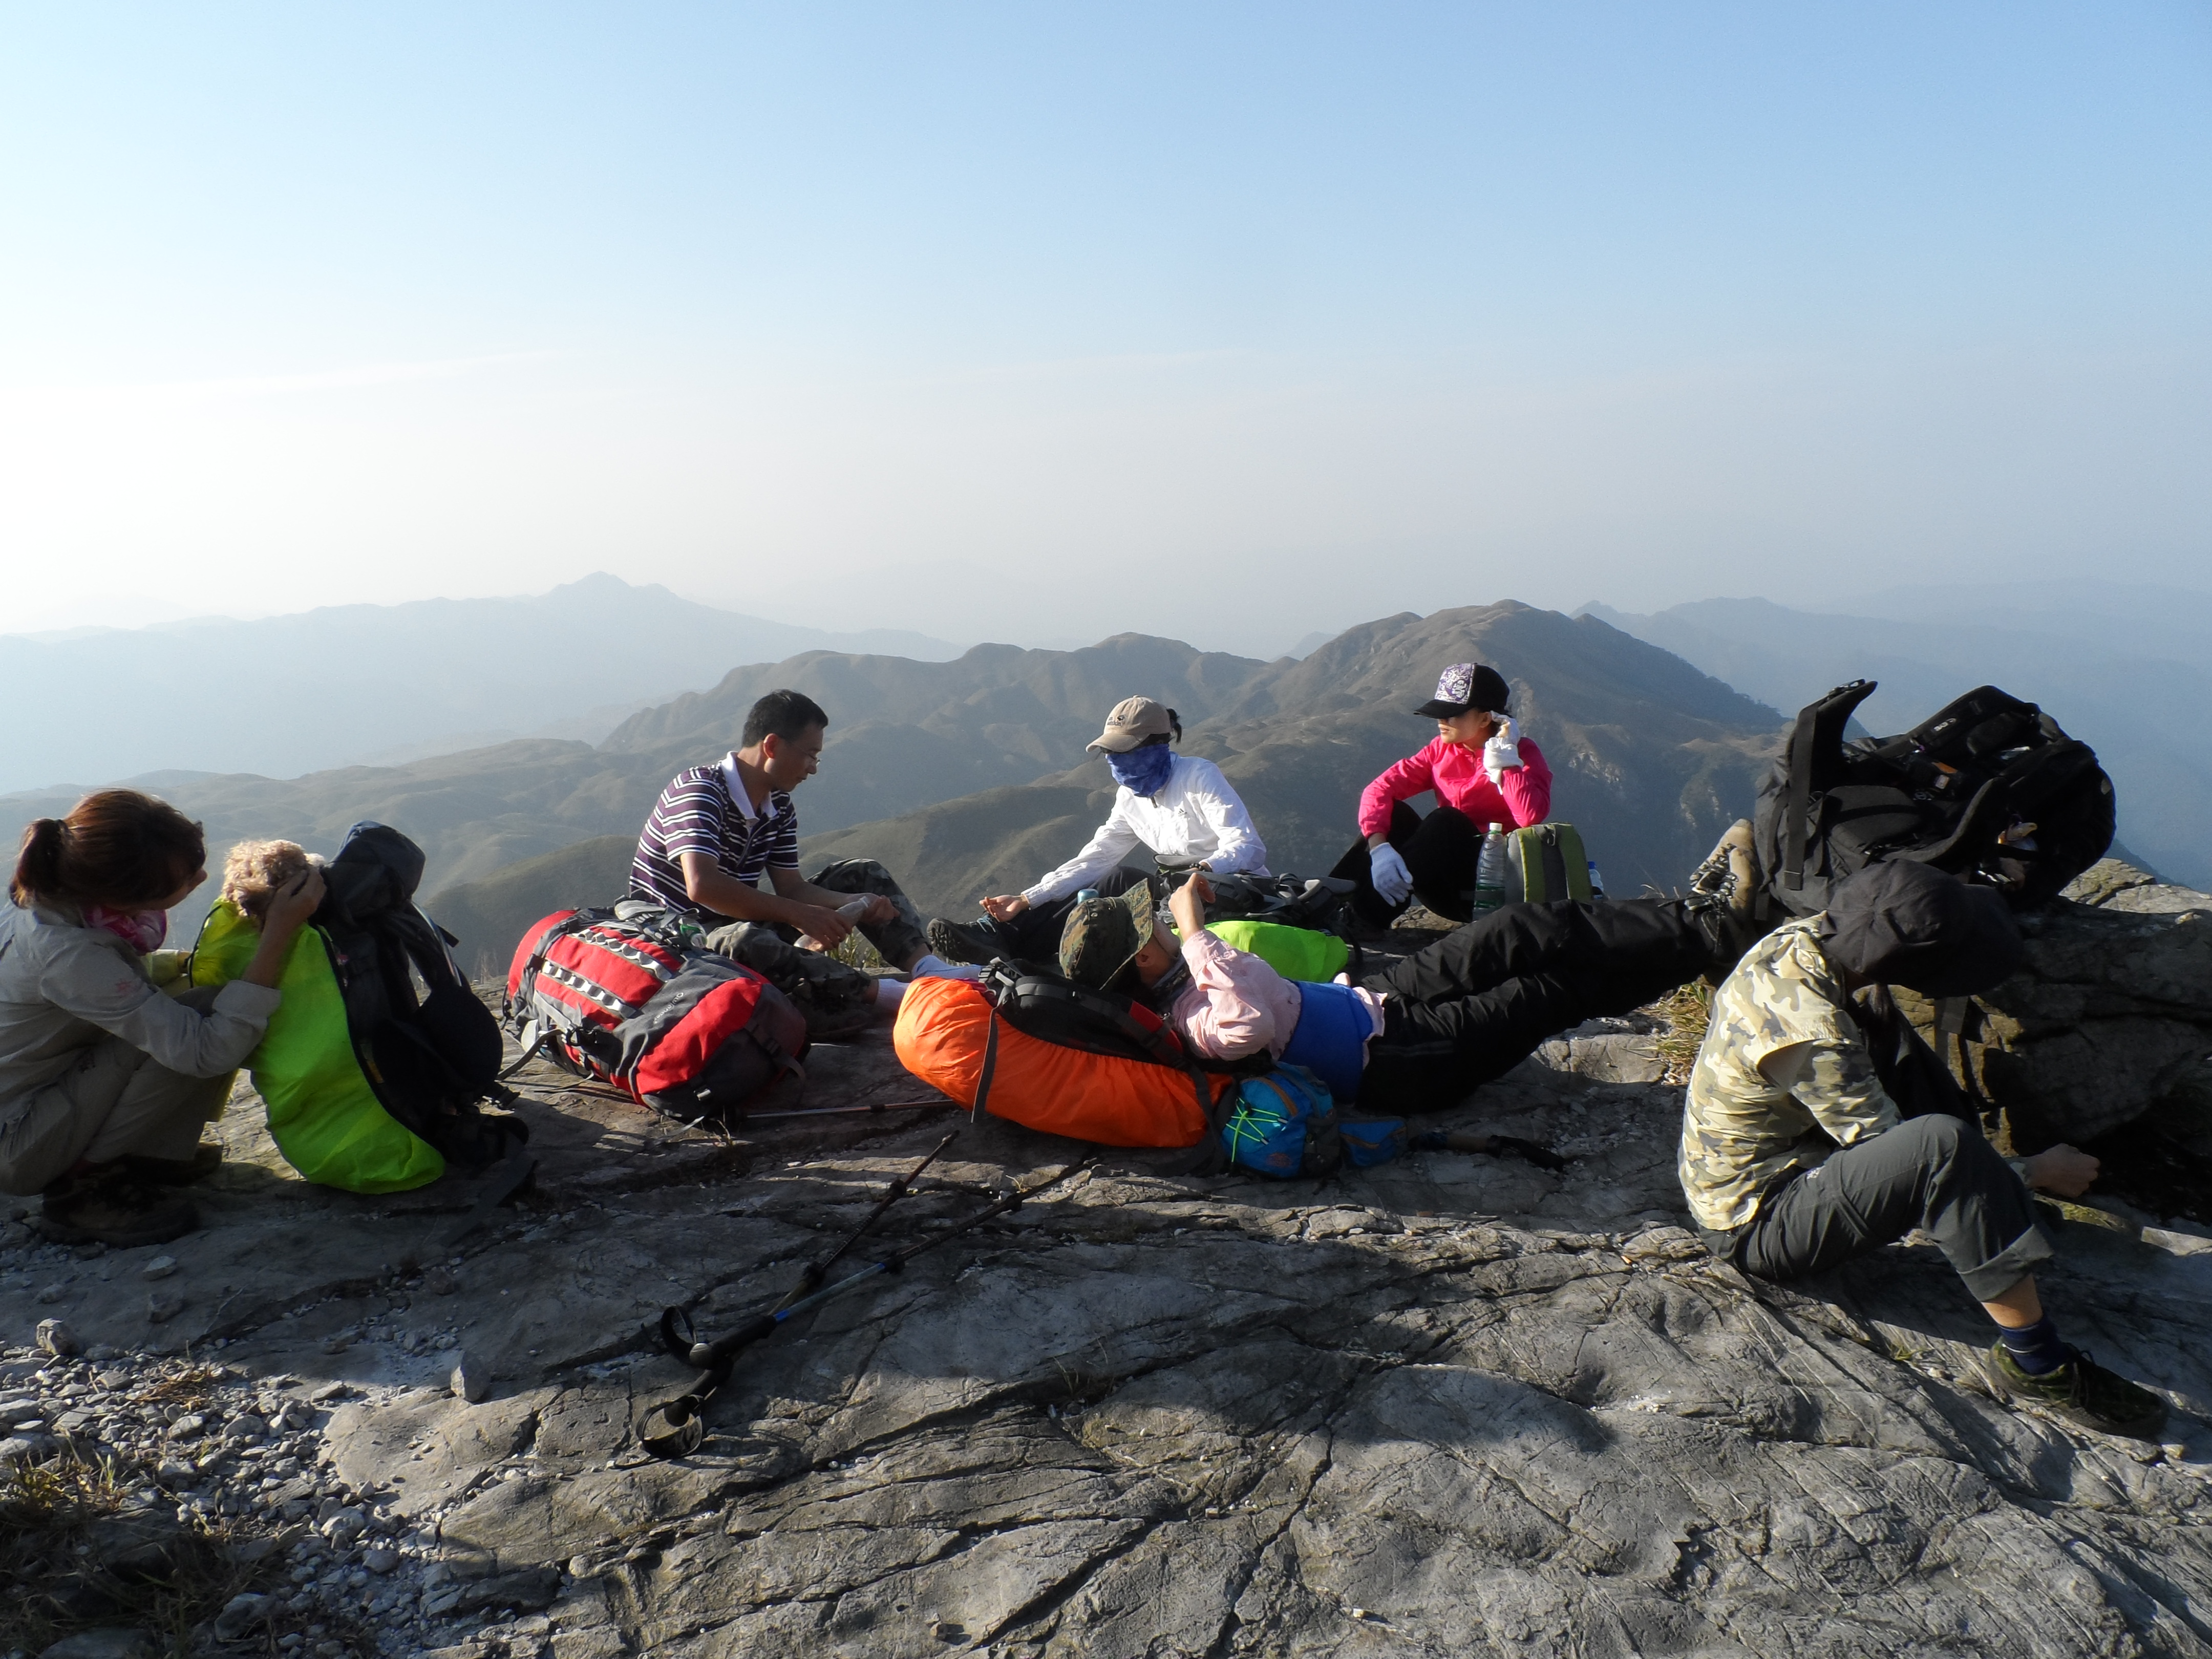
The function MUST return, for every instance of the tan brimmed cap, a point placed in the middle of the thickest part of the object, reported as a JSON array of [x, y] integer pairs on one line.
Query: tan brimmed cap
[[1134, 719]]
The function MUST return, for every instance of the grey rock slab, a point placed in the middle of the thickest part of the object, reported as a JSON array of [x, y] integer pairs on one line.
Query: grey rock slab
[[2110, 1020], [530, 1522], [428, 1448]]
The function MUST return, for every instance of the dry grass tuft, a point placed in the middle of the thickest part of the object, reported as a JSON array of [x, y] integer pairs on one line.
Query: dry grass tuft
[[1685, 1011], [855, 952], [55, 1576]]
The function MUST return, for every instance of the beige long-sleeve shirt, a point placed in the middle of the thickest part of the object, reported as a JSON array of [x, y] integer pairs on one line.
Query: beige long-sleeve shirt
[[63, 986]]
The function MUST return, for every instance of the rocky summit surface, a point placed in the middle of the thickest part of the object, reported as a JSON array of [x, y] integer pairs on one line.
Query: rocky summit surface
[[1455, 1405]]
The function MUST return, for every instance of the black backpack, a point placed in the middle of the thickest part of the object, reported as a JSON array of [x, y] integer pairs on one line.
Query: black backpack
[[431, 1057], [1990, 789], [1318, 903]]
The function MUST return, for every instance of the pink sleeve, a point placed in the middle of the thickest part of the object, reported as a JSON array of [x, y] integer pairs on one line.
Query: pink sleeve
[[1219, 1016], [1527, 788], [1407, 779]]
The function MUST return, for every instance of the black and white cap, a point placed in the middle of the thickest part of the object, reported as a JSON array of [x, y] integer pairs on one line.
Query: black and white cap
[[1466, 685]]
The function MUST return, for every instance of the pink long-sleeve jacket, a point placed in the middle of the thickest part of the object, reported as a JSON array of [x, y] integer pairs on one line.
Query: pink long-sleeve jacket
[[1523, 797], [1237, 1004]]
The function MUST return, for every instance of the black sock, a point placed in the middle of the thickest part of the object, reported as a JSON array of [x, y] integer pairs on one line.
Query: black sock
[[2036, 1348]]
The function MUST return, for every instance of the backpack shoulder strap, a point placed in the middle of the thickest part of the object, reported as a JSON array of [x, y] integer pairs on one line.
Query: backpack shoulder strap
[[1816, 746], [990, 1066]]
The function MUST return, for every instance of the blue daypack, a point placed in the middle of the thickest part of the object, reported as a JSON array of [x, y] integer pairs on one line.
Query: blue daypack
[[1284, 1123]]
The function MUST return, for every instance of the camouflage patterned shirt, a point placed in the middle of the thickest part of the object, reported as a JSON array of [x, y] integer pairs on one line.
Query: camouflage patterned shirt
[[1741, 1133]]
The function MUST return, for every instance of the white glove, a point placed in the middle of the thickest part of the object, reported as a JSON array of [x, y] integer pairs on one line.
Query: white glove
[[1503, 752], [1392, 879]]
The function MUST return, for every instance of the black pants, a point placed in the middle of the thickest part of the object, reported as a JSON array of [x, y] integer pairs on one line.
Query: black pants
[[1033, 935], [1476, 1003], [1439, 850], [1936, 1173]]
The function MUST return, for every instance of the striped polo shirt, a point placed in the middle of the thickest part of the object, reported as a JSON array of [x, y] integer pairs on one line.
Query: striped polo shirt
[[705, 810]]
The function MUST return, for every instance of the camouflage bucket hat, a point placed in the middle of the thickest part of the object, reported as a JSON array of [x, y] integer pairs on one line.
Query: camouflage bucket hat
[[1103, 935]]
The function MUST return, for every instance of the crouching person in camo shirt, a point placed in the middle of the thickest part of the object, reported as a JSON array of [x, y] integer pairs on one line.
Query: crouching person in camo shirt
[[1819, 1128]]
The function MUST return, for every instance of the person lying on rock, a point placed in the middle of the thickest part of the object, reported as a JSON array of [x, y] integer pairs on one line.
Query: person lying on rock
[[717, 828], [1179, 807], [1416, 1037], [104, 1081], [1819, 1128]]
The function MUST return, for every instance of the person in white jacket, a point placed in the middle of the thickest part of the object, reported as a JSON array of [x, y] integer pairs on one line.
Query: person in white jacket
[[1179, 807]]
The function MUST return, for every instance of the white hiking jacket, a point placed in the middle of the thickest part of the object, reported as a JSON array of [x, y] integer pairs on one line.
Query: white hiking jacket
[[1195, 818]]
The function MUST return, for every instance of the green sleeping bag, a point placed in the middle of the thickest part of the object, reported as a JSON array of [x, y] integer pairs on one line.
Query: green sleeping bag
[[1293, 952], [322, 1113]]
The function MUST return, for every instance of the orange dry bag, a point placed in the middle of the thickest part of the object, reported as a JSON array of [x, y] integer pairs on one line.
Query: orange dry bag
[[949, 1032]]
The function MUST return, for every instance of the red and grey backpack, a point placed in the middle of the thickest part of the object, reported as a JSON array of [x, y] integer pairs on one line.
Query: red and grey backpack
[[683, 1030]]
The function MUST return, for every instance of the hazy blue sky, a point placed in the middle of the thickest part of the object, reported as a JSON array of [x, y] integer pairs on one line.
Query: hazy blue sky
[[1039, 321]]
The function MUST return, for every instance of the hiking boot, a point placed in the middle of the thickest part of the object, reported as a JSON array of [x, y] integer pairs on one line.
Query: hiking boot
[[109, 1206], [205, 1160], [2081, 1391], [1722, 891], [976, 943]]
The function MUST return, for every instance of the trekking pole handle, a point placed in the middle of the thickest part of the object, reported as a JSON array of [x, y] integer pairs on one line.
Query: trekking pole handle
[[710, 1356]]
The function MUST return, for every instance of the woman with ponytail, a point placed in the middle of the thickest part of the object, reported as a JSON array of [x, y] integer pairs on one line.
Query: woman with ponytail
[[106, 1081], [1179, 807]]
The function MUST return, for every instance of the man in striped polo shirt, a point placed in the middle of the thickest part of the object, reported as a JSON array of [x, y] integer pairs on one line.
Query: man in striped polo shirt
[[717, 828]]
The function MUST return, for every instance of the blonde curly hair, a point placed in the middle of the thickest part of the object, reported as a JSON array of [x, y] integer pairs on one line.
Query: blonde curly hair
[[255, 870]]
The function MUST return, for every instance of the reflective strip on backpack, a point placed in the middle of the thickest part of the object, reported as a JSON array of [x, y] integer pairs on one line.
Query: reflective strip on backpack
[[663, 964], [570, 980]]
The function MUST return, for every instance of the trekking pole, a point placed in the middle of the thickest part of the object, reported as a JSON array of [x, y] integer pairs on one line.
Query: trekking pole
[[723, 1349], [895, 1189], [684, 1416], [881, 1106]]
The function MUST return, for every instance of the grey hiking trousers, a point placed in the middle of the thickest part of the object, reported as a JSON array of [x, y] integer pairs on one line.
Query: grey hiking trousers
[[1936, 1173]]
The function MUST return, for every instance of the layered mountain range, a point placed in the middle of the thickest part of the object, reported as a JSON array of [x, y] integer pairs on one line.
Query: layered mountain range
[[969, 776], [1651, 757], [375, 683], [2128, 671]]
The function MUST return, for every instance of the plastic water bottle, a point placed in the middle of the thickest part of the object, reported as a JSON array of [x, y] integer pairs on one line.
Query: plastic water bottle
[[1490, 871], [1597, 882]]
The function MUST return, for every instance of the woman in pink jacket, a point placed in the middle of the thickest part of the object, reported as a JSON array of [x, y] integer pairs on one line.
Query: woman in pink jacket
[[1483, 772]]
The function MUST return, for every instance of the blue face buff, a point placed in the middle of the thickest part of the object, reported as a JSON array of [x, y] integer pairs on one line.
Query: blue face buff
[[1142, 771]]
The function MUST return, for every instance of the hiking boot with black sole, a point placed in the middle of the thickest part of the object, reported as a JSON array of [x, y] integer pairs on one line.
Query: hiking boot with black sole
[[976, 945], [112, 1207], [1722, 891], [2081, 1391]]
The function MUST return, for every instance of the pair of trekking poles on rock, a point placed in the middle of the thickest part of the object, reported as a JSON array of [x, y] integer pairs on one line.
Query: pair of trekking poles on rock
[[676, 1427]]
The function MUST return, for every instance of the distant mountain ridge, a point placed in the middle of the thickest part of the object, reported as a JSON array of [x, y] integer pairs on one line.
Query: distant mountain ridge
[[902, 733], [365, 684], [2129, 673], [1651, 758]]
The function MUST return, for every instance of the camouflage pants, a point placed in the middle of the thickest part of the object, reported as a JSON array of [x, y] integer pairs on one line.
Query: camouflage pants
[[833, 997]]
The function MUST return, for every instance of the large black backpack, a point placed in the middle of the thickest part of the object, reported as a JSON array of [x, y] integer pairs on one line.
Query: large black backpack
[[429, 1049], [1989, 788]]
